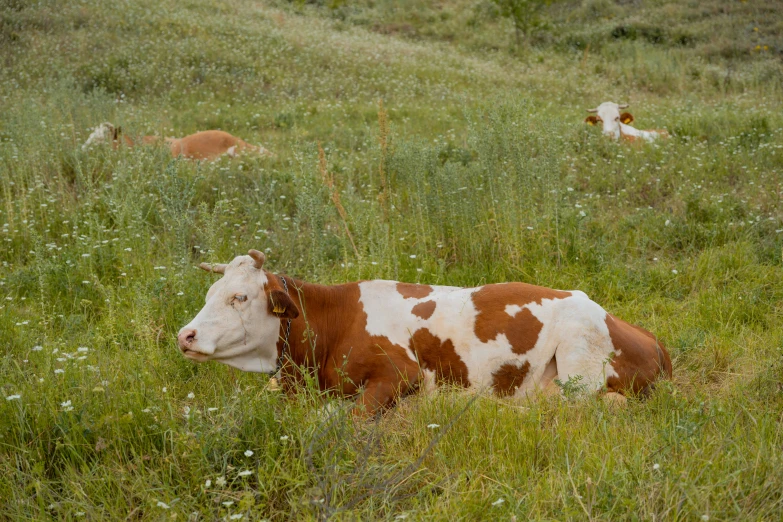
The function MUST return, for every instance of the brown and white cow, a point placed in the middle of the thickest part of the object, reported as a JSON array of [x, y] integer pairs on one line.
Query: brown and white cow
[[617, 126], [389, 338], [205, 145]]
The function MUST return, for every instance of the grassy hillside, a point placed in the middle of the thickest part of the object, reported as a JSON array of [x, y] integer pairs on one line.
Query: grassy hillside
[[460, 159]]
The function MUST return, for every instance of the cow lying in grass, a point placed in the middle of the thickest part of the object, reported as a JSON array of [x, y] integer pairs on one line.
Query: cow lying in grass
[[205, 145], [617, 125], [379, 340]]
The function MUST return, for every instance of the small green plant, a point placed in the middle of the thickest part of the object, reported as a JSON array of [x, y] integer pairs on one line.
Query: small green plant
[[573, 387]]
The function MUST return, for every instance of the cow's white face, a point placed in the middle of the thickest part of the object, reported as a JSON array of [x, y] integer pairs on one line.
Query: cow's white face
[[103, 133], [240, 322], [608, 115]]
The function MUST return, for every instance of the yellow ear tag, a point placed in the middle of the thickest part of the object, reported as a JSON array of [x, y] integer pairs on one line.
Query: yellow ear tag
[[627, 120], [277, 309]]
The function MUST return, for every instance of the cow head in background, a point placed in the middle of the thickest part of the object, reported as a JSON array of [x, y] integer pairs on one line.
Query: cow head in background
[[608, 114], [240, 322], [105, 132]]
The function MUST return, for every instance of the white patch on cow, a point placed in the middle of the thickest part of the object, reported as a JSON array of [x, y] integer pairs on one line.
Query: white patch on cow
[[101, 134], [513, 309], [240, 334], [627, 130], [389, 314], [573, 332], [427, 384], [232, 151]]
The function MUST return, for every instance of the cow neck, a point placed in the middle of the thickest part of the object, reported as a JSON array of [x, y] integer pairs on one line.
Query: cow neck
[[320, 315]]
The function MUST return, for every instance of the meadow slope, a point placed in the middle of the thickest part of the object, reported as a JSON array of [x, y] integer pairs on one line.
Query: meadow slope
[[460, 160]]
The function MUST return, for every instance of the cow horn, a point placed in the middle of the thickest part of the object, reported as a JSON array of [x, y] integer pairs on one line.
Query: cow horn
[[218, 269], [623, 106], [258, 258], [592, 110]]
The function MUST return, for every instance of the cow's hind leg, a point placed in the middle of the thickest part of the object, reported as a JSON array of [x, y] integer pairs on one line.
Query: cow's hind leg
[[584, 361]]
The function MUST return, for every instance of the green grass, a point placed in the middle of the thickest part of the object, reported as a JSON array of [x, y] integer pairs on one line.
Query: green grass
[[491, 176]]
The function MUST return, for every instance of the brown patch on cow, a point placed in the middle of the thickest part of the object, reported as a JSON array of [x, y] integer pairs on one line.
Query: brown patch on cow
[[424, 309], [508, 378], [412, 291], [593, 120], [641, 359], [329, 340], [440, 357], [521, 330], [626, 117]]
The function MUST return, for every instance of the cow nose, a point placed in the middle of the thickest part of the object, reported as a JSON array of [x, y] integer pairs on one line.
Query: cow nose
[[186, 338]]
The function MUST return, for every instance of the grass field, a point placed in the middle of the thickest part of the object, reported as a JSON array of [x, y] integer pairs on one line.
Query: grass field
[[460, 159]]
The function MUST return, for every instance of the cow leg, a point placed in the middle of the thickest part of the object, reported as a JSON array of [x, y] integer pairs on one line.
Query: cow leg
[[377, 395], [384, 388], [584, 360]]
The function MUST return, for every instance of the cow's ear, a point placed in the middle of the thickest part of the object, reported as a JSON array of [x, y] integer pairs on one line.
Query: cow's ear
[[281, 305], [592, 120], [626, 117]]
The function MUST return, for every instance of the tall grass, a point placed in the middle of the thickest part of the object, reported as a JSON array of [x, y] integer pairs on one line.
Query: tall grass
[[476, 168]]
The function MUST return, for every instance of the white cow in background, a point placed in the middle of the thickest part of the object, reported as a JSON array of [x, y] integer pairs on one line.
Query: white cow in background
[[617, 125]]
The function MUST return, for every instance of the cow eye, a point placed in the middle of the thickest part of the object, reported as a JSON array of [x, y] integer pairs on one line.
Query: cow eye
[[240, 298]]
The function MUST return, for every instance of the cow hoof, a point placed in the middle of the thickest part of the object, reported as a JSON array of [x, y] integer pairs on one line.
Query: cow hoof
[[273, 384], [615, 400]]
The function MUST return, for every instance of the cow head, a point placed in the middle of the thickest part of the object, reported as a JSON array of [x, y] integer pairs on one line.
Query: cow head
[[103, 133], [240, 322], [608, 114]]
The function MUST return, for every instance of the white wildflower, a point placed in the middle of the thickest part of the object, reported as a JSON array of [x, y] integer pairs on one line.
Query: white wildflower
[[433, 426], [498, 502], [220, 481], [13, 397], [245, 473], [249, 453], [228, 503], [191, 395], [163, 505], [59, 370], [37, 348], [284, 438], [66, 406], [237, 516]]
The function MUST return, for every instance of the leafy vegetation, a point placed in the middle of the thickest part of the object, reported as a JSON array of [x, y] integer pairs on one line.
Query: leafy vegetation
[[475, 168]]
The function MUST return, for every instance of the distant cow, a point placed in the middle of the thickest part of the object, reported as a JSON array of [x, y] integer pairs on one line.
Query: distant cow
[[617, 125], [205, 145], [388, 338]]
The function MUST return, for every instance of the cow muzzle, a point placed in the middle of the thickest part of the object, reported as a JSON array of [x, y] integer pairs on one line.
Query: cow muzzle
[[186, 340]]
